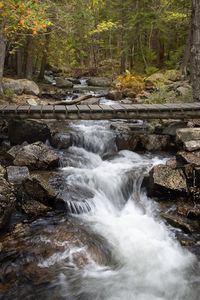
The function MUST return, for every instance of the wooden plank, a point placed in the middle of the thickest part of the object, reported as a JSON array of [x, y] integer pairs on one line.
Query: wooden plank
[[11, 109], [35, 109], [23, 109], [60, 109], [118, 108], [71, 109], [83, 108], [95, 108], [47, 109], [106, 108]]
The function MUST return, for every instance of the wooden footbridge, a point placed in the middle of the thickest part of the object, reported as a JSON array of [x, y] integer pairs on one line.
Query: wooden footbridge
[[103, 112]]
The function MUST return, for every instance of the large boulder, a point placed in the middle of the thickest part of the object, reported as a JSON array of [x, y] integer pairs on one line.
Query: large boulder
[[7, 202], [99, 81], [30, 131], [21, 86], [155, 142], [165, 181], [63, 83], [192, 158], [35, 156], [114, 95], [61, 140], [189, 138]]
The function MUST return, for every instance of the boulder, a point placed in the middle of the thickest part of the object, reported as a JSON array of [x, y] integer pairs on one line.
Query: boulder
[[114, 95], [170, 127], [165, 182], [183, 90], [61, 140], [21, 86], [189, 138], [154, 78], [30, 131], [7, 202], [193, 158], [155, 142], [63, 83], [35, 156], [178, 222], [99, 81], [17, 175]]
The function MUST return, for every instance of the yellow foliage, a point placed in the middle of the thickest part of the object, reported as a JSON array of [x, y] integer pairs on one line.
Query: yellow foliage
[[130, 81]]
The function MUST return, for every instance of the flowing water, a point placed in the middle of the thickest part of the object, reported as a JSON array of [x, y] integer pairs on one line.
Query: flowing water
[[142, 260]]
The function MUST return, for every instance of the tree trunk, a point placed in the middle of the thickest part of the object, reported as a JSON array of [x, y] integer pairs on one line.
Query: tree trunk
[[195, 49], [29, 58], [19, 58], [2, 57]]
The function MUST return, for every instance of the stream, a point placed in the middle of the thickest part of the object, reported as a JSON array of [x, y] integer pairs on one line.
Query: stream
[[112, 245]]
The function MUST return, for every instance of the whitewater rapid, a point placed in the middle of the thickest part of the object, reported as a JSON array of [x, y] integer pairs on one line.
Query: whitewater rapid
[[147, 262]]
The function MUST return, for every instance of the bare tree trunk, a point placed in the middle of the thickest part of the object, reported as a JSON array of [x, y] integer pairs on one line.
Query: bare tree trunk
[[195, 49], [29, 58], [19, 62], [44, 57], [2, 56]]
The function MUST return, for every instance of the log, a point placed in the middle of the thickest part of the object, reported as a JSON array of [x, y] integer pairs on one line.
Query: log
[[78, 100]]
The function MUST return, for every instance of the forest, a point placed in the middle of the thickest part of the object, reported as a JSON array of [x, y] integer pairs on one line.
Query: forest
[[94, 36]]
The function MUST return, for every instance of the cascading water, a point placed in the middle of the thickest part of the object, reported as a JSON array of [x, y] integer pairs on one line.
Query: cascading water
[[147, 263], [112, 247]]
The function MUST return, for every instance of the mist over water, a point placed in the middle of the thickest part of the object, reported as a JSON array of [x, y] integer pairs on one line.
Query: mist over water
[[147, 262]]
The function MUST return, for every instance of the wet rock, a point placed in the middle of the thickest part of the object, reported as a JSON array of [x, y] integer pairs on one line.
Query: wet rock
[[7, 202], [178, 222], [172, 163], [189, 138], [193, 158], [34, 156], [63, 83], [125, 141], [99, 81], [20, 86], [74, 80], [61, 141], [155, 142], [37, 196], [30, 131], [17, 175], [194, 213], [114, 95], [166, 181]]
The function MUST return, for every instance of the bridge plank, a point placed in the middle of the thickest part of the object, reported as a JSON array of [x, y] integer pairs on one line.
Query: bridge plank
[[106, 108], [118, 107], [60, 109], [23, 109], [47, 109], [71, 109], [95, 108], [83, 108], [35, 109]]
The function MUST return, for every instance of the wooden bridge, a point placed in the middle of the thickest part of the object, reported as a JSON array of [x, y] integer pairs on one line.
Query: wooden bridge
[[103, 112]]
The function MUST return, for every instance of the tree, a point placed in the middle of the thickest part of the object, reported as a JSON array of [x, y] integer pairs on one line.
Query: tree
[[19, 17], [195, 49]]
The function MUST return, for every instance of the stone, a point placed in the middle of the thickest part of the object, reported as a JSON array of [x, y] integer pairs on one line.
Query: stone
[[166, 181], [2, 172], [34, 208], [7, 202], [34, 156], [63, 83], [61, 140], [156, 77], [17, 175], [193, 158], [183, 91], [192, 145], [99, 81], [155, 142], [30, 131], [74, 80], [170, 127], [114, 95], [188, 134], [178, 222], [21, 86]]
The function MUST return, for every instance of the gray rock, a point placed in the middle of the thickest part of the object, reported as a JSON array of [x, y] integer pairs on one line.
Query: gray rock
[[188, 134], [183, 90], [17, 175], [193, 158], [63, 83], [7, 202], [30, 131], [21, 86], [61, 141], [35, 156], [178, 222], [155, 142], [99, 81], [170, 127], [192, 145], [166, 181], [2, 172], [114, 95]]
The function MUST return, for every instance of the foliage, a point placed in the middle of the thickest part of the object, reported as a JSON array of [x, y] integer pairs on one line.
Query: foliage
[[130, 81]]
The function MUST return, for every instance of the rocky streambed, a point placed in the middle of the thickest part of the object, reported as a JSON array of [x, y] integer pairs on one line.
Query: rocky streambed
[[99, 210]]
